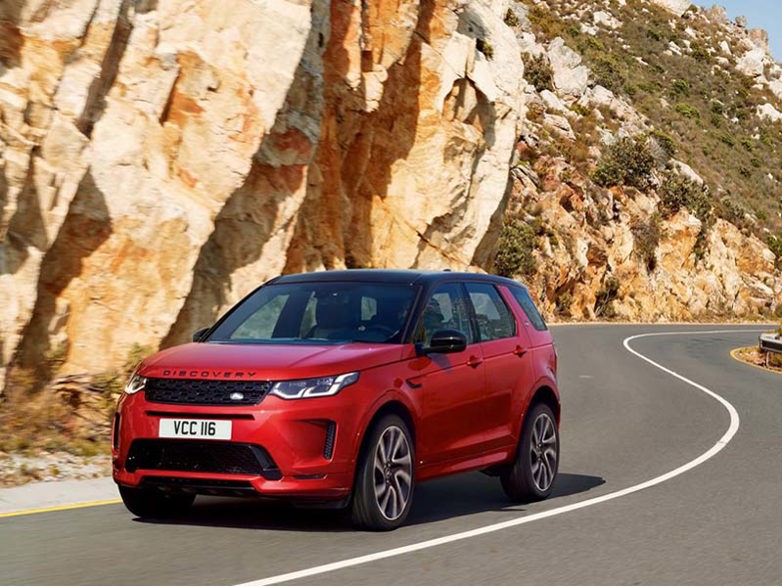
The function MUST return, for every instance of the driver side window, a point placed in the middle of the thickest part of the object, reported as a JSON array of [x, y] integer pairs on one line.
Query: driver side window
[[446, 309]]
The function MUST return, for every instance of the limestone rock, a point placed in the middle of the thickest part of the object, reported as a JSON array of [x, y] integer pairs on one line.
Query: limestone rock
[[752, 62], [606, 19], [769, 112], [776, 87], [570, 76], [759, 38], [677, 7], [685, 170]]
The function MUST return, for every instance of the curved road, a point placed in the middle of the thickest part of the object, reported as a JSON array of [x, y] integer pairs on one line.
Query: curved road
[[625, 422]]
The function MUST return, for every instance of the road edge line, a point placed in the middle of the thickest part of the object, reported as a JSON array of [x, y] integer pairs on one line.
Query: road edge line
[[60, 508]]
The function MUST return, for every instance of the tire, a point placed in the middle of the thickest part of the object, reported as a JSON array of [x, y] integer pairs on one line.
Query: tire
[[153, 503], [531, 476], [385, 478]]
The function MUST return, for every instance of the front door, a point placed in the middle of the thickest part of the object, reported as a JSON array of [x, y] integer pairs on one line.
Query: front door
[[451, 385]]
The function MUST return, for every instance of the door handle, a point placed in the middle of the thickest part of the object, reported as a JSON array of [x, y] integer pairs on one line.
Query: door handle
[[519, 352], [474, 361]]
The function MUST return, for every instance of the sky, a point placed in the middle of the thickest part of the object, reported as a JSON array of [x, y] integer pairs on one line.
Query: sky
[[761, 14]]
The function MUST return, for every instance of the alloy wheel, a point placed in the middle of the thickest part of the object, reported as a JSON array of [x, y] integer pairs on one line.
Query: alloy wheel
[[392, 472], [543, 452]]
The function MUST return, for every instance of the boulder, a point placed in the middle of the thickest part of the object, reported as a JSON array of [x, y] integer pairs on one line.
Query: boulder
[[570, 76]]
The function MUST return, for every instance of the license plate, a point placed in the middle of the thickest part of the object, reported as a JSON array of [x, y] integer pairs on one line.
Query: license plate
[[181, 428]]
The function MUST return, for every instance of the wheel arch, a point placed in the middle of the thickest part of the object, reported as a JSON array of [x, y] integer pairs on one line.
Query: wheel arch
[[395, 407], [546, 395]]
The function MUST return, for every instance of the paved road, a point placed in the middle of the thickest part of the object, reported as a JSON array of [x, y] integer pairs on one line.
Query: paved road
[[625, 422]]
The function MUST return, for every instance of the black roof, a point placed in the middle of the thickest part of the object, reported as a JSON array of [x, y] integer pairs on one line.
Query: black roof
[[400, 276]]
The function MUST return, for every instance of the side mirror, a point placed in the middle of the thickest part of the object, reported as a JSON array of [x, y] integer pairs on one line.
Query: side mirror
[[199, 333], [446, 341]]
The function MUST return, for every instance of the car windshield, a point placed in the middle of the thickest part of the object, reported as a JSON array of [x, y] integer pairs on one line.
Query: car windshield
[[317, 312]]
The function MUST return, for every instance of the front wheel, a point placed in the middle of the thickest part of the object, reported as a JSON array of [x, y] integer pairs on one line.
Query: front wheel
[[146, 502], [385, 480], [531, 477]]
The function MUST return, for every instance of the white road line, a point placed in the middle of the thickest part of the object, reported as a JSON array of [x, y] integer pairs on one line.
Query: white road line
[[718, 446]]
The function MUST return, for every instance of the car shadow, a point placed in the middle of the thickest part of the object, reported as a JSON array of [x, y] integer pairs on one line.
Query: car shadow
[[437, 500], [474, 493]]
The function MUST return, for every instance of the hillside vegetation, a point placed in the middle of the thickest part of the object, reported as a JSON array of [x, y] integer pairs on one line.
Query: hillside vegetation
[[699, 103], [650, 161]]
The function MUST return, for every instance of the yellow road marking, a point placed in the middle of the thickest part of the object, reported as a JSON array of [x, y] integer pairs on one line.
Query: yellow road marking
[[60, 508], [734, 355]]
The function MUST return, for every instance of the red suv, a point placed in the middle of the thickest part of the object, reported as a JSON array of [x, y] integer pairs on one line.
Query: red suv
[[345, 389]]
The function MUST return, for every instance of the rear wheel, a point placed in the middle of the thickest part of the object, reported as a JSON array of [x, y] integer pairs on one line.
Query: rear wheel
[[385, 481], [532, 475], [146, 502]]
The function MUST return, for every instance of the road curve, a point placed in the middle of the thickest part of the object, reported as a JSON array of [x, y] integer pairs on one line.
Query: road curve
[[710, 516]]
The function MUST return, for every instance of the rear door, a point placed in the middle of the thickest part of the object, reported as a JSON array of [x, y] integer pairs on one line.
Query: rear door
[[504, 346]]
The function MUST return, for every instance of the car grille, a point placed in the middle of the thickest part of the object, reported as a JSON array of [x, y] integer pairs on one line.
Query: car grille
[[201, 457], [205, 392]]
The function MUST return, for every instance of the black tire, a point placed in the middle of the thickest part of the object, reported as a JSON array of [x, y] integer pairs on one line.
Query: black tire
[[147, 502], [385, 478], [531, 476]]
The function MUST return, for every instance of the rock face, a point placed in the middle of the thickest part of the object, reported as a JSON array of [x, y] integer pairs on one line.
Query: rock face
[[584, 249], [160, 159]]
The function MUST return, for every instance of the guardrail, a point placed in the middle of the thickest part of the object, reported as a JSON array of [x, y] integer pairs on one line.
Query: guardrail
[[770, 343]]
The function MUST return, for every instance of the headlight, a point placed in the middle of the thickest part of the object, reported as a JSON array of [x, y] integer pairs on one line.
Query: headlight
[[135, 384], [318, 387]]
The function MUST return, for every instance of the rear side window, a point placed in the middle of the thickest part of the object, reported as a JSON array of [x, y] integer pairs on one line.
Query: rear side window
[[526, 303], [494, 317]]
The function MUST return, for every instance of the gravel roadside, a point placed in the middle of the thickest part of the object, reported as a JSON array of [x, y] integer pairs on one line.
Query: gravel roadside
[[18, 469]]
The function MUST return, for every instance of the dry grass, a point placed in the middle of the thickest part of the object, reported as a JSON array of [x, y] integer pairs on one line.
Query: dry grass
[[46, 422]]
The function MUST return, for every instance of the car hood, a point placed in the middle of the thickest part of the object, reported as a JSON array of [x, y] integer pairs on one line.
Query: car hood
[[261, 362]]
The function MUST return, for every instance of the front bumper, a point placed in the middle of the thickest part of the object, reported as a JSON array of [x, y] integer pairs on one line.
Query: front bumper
[[298, 449]]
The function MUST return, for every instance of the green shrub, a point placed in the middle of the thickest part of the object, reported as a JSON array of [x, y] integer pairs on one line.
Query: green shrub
[[678, 192], [511, 19], [717, 107], [680, 87], [608, 73], [727, 139], [647, 238], [514, 249], [626, 161], [688, 111], [607, 294], [699, 52], [732, 211], [774, 242], [590, 43], [565, 301], [485, 47], [538, 72], [665, 141]]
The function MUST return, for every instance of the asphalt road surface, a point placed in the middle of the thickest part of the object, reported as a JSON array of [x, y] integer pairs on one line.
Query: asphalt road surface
[[660, 483]]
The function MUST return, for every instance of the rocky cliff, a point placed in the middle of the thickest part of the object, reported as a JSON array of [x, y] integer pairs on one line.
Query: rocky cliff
[[160, 158]]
